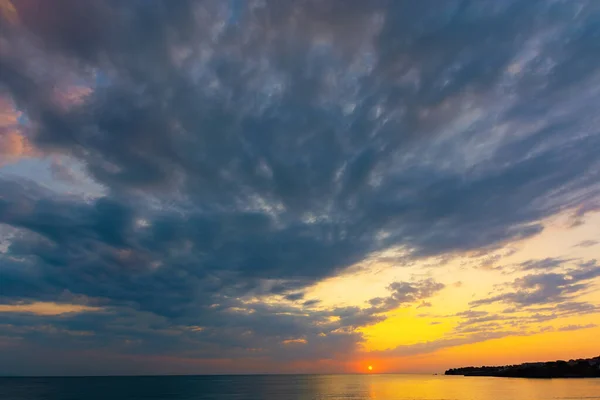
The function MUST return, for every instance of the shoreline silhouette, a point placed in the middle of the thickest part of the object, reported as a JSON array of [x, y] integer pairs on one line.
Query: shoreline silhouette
[[579, 368]]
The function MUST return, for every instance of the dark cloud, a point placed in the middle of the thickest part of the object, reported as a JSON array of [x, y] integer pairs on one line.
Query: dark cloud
[[402, 294], [587, 243], [310, 303], [295, 296], [546, 288], [543, 264], [406, 292], [520, 320], [564, 309], [576, 327], [252, 150]]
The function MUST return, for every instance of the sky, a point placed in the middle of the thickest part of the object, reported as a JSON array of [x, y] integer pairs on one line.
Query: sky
[[274, 186]]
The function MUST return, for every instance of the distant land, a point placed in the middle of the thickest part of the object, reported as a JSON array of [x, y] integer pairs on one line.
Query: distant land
[[581, 368]]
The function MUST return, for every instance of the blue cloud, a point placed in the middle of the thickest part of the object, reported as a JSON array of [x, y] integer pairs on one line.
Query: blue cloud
[[257, 157]]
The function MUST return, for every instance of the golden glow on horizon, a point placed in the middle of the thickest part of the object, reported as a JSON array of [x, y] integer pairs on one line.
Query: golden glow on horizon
[[409, 325], [46, 308], [517, 349], [404, 326]]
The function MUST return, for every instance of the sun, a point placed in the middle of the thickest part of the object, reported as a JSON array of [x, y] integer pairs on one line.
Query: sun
[[370, 367]]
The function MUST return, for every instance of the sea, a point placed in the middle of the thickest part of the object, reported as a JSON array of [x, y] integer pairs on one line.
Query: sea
[[309, 387]]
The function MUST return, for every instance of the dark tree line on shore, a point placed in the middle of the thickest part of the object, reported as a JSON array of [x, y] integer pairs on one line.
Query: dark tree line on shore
[[581, 368]]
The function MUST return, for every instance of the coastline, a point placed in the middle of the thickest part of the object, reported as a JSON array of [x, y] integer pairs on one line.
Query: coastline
[[580, 368]]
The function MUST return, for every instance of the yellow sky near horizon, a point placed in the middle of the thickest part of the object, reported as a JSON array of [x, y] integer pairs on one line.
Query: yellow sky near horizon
[[467, 279]]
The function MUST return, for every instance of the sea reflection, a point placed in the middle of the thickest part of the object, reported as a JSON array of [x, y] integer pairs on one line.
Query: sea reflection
[[429, 387], [298, 387], [433, 387]]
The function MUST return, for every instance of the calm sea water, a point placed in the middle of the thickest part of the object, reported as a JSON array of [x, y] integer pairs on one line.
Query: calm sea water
[[283, 387]]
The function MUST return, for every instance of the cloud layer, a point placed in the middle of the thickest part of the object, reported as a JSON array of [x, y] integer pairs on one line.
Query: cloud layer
[[247, 150]]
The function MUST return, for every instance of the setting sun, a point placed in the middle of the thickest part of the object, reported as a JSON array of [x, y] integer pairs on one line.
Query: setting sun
[[370, 367]]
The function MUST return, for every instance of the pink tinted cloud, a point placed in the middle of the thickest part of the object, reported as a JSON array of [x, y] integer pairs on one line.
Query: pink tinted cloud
[[14, 141], [14, 145]]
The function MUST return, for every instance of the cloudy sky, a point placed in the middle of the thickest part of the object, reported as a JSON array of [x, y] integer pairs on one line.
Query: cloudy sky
[[232, 186]]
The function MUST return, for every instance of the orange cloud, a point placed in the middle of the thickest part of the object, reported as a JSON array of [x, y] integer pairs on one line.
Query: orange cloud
[[294, 341], [13, 144], [46, 308], [8, 11], [70, 96]]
